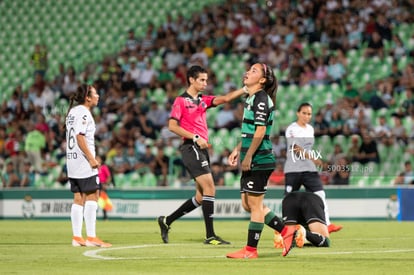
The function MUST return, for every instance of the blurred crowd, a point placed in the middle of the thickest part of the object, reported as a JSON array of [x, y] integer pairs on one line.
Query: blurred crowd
[[309, 41]]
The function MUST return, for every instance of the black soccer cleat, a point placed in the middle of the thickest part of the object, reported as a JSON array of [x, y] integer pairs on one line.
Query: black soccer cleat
[[215, 240], [164, 228]]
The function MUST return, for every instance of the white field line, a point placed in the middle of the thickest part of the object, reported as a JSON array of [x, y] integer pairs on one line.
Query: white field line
[[96, 253]]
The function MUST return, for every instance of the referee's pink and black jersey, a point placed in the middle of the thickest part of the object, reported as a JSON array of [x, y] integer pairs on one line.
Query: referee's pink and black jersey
[[191, 113]]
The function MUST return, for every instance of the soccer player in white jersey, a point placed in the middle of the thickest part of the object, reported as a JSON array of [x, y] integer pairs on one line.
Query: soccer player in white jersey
[[82, 165], [300, 168]]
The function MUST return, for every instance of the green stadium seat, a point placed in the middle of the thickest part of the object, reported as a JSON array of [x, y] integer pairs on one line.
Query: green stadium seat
[[149, 180]]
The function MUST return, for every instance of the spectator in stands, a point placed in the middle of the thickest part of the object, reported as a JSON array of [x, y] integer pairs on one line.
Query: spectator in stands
[[338, 153], [353, 148], [39, 60], [399, 132], [146, 160], [341, 172], [222, 43], [397, 48], [119, 163], [320, 125], [225, 118], [35, 143], [131, 43], [375, 46], [148, 76], [307, 76], [173, 57], [407, 77], [70, 83], [10, 176], [295, 70], [321, 72], [336, 70], [158, 116], [14, 148], [368, 150], [406, 177], [408, 103], [383, 27], [132, 158], [370, 97], [383, 131], [27, 178], [217, 172], [336, 124], [160, 166], [165, 75], [354, 36], [394, 76], [278, 176]]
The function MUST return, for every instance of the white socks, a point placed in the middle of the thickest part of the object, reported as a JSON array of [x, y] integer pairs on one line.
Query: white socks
[[322, 195], [90, 218], [78, 213], [76, 217]]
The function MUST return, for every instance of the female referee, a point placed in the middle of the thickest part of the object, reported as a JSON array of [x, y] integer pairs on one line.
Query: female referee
[[82, 165]]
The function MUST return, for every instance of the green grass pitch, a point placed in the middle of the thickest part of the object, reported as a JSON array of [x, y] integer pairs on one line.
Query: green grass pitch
[[44, 247]]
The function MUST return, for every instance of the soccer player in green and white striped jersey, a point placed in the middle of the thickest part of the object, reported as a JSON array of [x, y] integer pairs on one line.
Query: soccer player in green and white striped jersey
[[257, 159]]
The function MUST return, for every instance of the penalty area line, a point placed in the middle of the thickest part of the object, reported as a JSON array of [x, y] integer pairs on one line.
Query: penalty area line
[[96, 253]]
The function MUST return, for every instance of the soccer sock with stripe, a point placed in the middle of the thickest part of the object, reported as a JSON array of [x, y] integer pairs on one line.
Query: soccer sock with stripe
[[90, 218], [274, 222], [317, 239], [188, 206], [208, 211], [253, 236], [76, 217]]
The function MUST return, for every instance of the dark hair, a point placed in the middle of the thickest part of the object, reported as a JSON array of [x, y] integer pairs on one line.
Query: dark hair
[[82, 91], [270, 86], [304, 104], [194, 71]]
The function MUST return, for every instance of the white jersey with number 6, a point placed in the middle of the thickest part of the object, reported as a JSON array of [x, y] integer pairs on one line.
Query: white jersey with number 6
[[79, 121]]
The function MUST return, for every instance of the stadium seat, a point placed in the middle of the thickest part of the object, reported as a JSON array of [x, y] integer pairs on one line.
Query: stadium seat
[[149, 180]]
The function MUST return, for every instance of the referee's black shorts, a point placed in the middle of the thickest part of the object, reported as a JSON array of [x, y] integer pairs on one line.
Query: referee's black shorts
[[196, 160]]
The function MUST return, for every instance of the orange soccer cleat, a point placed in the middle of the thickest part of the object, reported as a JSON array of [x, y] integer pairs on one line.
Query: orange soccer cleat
[[95, 241], [334, 228], [78, 241], [243, 253]]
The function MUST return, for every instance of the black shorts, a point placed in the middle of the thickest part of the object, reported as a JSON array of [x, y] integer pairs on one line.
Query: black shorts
[[196, 160], [87, 185], [254, 181], [303, 208], [310, 180]]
